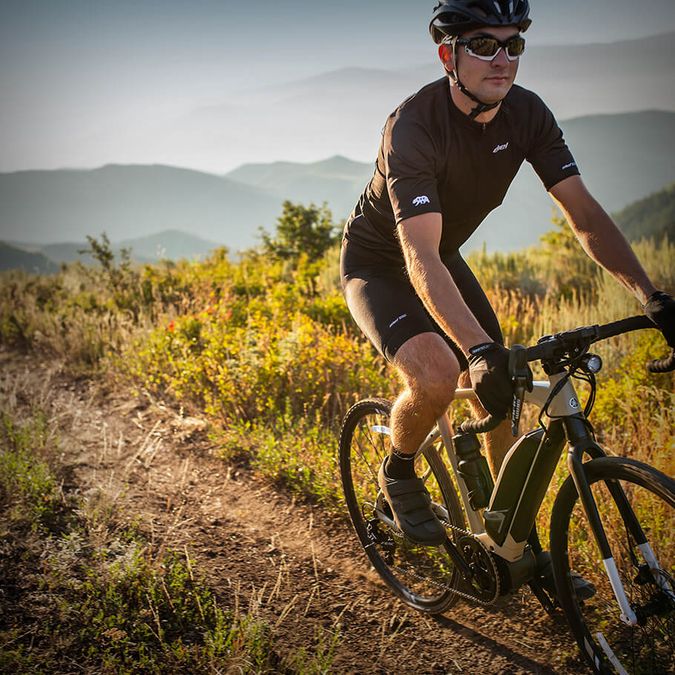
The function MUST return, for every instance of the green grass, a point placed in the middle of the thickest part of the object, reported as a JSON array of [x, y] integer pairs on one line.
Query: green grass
[[84, 593]]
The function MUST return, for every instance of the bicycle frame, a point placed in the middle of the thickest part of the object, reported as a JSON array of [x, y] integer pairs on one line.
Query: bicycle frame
[[567, 424], [565, 404]]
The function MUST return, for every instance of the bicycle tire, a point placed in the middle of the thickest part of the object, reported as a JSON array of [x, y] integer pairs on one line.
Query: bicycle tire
[[423, 577], [646, 648]]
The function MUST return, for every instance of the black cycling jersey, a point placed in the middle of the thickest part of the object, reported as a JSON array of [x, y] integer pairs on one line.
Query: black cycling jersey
[[434, 159]]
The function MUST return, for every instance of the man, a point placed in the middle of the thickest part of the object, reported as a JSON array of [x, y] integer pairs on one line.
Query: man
[[447, 157]]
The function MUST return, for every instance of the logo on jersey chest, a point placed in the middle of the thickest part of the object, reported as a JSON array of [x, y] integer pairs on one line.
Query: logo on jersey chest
[[499, 148], [422, 199]]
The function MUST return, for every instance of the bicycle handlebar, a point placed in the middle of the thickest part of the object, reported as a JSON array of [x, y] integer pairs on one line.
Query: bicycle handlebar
[[552, 346]]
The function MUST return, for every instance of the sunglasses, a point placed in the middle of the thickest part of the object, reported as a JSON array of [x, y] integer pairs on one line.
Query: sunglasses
[[486, 48]]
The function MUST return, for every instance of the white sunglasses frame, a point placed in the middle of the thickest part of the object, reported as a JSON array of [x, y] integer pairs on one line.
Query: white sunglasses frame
[[502, 46]]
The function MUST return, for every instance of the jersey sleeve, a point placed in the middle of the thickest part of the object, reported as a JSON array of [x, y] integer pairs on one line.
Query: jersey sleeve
[[410, 167], [548, 153]]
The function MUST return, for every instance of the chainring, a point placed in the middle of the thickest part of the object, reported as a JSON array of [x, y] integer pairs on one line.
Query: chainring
[[485, 584], [485, 589]]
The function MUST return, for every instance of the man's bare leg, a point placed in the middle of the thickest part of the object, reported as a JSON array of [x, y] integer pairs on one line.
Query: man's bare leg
[[429, 372]]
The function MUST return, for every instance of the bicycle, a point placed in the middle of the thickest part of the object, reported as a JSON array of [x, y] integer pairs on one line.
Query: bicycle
[[628, 506]]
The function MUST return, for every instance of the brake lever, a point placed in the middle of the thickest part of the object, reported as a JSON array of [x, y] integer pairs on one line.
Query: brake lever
[[521, 380]]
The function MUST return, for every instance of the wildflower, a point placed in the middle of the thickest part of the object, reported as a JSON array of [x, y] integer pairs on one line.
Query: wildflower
[[171, 327]]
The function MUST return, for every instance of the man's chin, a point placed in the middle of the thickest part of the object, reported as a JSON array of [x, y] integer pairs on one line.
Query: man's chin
[[496, 92]]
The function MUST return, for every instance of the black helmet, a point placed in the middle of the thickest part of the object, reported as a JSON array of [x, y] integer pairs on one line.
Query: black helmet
[[454, 17]]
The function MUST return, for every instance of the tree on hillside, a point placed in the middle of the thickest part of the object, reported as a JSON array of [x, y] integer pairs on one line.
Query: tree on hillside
[[651, 217], [301, 231]]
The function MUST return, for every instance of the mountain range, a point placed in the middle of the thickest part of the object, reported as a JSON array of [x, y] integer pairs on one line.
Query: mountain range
[[650, 217], [343, 111], [622, 158], [336, 112]]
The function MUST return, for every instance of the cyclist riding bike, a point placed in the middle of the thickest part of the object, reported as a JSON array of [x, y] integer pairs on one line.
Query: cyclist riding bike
[[447, 157]]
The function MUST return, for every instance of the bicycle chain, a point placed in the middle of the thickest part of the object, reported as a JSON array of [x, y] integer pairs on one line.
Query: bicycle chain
[[462, 594]]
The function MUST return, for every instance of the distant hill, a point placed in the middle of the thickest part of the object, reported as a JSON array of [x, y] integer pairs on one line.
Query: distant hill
[[128, 202], [12, 258], [170, 245], [653, 216], [334, 112], [343, 111], [337, 180]]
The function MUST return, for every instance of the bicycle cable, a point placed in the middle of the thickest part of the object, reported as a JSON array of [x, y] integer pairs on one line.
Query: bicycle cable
[[571, 363]]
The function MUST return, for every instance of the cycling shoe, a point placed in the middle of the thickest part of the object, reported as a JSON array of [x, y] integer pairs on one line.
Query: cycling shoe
[[411, 507]]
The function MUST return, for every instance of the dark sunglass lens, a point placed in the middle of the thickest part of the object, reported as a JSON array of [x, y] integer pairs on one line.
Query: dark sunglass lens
[[515, 46], [482, 46]]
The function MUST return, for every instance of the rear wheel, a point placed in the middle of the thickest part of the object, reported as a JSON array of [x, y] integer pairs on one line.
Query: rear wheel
[[422, 576], [606, 640]]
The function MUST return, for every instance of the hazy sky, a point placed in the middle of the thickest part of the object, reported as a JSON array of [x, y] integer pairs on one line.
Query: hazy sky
[[72, 67]]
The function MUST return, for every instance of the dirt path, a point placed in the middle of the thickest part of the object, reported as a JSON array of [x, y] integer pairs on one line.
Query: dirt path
[[301, 568]]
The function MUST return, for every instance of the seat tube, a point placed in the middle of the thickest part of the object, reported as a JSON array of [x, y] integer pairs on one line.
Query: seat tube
[[475, 520]]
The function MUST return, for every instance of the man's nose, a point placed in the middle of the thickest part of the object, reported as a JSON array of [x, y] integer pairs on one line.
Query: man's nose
[[500, 58]]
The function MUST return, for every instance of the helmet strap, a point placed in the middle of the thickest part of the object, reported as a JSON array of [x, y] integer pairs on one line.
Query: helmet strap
[[481, 106]]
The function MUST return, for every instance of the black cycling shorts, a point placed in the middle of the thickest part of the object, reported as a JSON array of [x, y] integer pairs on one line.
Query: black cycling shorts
[[388, 311]]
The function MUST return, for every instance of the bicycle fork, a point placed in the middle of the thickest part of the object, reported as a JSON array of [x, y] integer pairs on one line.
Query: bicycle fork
[[581, 442]]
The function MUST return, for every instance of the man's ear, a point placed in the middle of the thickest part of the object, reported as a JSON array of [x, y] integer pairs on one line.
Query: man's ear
[[445, 54]]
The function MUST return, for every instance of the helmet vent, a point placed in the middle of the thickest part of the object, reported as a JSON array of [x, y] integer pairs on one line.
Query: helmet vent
[[451, 18]]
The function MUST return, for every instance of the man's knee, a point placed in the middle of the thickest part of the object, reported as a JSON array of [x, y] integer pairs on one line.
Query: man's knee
[[429, 369]]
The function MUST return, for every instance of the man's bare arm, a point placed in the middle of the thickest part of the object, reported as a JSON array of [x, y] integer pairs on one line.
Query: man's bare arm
[[600, 237], [420, 237]]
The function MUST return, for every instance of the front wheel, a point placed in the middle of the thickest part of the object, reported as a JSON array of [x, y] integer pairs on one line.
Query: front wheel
[[424, 577], [642, 548]]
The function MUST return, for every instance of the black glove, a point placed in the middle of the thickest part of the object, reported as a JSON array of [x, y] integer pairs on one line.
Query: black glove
[[490, 379], [660, 308]]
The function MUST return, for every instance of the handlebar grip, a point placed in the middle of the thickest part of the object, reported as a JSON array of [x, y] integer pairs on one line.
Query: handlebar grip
[[662, 365], [480, 426]]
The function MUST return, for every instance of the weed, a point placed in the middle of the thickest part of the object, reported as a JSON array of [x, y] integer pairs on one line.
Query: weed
[[89, 594]]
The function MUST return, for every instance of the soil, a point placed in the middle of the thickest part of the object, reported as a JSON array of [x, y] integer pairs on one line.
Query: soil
[[299, 566]]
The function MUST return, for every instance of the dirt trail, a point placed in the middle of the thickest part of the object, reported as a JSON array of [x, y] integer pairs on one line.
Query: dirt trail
[[302, 568]]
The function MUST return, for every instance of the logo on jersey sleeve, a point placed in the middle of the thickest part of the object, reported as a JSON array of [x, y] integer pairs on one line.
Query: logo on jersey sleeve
[[568, 166], [422, 199]]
